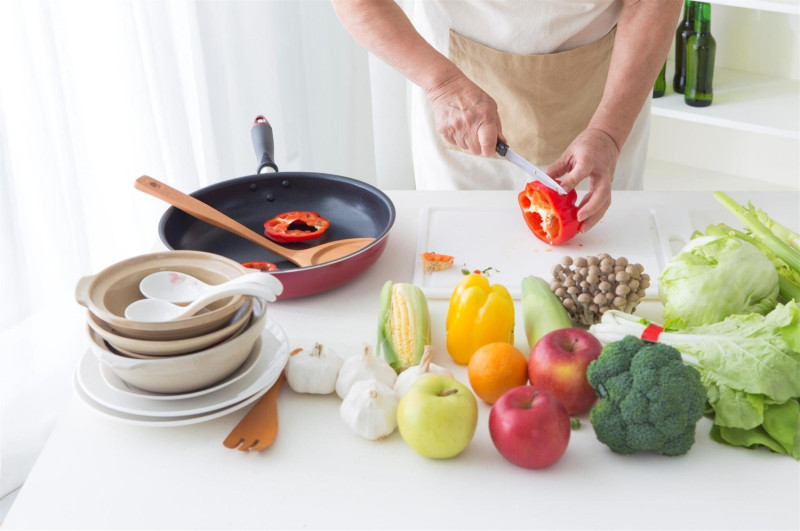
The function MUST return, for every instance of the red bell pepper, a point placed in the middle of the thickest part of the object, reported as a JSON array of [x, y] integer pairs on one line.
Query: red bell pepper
[[264, 266], [552, 217], [295, 226]]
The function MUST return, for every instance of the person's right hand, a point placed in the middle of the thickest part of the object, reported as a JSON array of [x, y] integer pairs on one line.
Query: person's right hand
[[466, 116]]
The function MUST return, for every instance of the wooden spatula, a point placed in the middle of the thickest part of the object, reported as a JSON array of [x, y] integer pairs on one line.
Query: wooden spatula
[[319, 254]]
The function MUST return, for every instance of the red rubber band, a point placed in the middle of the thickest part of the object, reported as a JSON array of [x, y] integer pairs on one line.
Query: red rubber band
[[651, 332]]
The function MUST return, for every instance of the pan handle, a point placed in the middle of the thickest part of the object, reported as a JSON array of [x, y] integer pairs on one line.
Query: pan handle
[[261, 132]]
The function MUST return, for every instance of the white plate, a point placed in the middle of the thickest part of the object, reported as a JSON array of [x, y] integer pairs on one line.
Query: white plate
[[499, 238], [118, 384], [274, 354], [163, 422]]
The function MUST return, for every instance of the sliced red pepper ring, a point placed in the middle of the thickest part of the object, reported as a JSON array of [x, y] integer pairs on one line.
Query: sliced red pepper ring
[[552, 217], [264, 266], [295, 226]]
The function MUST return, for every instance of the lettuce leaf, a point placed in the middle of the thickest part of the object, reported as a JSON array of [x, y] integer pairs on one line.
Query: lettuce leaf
[[751, 353], [747, 438], [782, 423], [780, 431], [732, 408]]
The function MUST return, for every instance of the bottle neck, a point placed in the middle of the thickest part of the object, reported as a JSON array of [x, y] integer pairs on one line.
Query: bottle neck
[[702, 17]]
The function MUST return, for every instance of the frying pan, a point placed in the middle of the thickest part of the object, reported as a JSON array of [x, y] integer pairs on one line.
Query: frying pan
[[354, 208]]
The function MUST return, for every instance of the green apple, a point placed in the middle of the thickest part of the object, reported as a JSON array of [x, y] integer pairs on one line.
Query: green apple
[[437, 416]]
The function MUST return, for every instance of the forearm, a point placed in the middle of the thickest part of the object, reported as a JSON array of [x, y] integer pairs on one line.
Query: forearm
[[644, 36], [383, 29]]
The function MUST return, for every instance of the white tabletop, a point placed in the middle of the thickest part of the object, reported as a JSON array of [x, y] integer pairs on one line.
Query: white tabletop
[[98, 473]]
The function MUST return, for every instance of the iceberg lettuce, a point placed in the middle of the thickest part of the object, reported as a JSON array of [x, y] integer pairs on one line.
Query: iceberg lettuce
[[713, 277]]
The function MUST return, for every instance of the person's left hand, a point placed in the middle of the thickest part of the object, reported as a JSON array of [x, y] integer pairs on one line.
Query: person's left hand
[[592, 154]]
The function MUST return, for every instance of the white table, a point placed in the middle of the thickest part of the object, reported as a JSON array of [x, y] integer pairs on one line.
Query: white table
[[96, 473]]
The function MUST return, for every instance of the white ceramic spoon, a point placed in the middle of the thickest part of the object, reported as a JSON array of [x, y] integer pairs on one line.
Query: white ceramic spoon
[[157, 310], [173, 286]]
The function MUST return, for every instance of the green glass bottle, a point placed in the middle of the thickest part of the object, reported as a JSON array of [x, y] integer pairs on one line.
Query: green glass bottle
[[700, 51], [660, 86], [682, 34]]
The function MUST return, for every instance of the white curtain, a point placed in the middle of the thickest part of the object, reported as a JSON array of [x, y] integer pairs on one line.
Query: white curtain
[[94, 93]]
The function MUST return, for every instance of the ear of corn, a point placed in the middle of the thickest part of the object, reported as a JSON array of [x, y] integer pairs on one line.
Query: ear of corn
[[404, 325]]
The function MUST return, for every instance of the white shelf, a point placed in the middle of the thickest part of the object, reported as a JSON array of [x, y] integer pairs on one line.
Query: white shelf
[[791, 7], [749, 137], [743, 101], [661, 175]]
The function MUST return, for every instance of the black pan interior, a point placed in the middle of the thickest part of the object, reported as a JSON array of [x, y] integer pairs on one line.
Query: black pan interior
[[354, 209]]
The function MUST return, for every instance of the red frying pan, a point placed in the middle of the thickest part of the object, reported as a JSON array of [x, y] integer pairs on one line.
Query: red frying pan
[[354, 208]]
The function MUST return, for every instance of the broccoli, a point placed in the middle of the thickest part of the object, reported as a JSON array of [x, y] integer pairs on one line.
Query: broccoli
[[649, 399]]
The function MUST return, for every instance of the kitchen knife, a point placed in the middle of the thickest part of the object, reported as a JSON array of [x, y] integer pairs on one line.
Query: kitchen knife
[[504, 151]]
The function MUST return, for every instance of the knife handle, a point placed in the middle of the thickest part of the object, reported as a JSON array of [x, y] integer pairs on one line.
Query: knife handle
[[502, 148]]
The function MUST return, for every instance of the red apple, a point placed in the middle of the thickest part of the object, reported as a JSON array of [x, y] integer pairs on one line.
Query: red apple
[[558, 363], [529, 427]]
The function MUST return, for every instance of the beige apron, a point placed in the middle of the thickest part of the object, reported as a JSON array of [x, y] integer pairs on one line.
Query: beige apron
[[547, 82], [544, 100]]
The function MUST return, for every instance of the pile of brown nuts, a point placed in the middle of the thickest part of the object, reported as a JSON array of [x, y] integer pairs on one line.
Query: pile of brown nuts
[[590, 286]]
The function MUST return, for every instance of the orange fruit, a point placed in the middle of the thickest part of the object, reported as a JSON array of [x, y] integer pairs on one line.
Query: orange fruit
[[495, 368]]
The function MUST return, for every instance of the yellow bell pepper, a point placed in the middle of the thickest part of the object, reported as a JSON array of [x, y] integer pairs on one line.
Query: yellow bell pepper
[[478, 314]]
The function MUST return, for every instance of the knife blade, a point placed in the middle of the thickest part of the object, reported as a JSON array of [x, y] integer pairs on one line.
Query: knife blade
[[504, 151]]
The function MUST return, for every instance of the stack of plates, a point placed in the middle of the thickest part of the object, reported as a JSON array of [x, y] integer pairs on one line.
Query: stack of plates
[[106, 393]]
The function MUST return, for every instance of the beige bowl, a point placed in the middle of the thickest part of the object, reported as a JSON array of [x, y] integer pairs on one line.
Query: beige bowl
[[151, 348], [136, 355], [189, 372], [110, 291]]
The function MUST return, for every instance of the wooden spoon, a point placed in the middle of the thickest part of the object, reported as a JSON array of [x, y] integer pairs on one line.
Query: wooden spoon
[[320, 254]]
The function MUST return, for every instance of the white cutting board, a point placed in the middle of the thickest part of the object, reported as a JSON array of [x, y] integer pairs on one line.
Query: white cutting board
[[499, 238]]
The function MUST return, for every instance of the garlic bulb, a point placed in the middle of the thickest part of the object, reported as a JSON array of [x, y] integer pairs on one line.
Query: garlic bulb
[[364, 367], [370, 409], [313, 371], [407, 378]]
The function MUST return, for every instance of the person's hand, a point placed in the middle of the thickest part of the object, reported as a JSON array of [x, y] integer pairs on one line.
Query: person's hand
[[592, 154], [466, 116]]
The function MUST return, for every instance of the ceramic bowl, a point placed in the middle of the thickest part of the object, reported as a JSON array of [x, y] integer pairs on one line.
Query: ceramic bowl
[[110, 291], [137, 355], [152, 348], [189, 372]]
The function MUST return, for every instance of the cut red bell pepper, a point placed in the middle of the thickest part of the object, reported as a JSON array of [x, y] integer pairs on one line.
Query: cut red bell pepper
[[295, 226], [264, 266], [552, 217], [432, 262]]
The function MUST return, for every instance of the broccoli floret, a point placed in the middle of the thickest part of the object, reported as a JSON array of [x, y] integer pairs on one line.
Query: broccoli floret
[[649, 399]]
